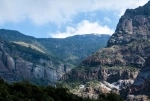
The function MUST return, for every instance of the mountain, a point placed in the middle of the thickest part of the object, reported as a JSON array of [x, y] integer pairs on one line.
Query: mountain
[[125, 62], [75, 49], [71, 50], [21, 39], [19, 63], [27, 58]]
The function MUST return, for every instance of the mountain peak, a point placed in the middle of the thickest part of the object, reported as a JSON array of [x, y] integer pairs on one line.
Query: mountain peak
[[141, 10], [133, 25]]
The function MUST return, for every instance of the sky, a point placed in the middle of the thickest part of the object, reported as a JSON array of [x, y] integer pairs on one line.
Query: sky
[[63, 18]]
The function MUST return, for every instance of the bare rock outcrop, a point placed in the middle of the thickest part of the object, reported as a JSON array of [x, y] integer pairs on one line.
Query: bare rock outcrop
[[14, 67], [103, 74], [133, 25], [126, 57]]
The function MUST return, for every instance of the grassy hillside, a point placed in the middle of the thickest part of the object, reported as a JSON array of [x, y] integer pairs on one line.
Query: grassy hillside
[[21, 39], [75, 49]]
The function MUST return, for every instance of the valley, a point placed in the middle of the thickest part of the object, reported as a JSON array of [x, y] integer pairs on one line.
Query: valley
[[83, 67]]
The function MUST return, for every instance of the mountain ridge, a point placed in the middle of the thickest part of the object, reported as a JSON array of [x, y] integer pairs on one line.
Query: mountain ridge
[[74, 48], [125, 58], [25, 58]]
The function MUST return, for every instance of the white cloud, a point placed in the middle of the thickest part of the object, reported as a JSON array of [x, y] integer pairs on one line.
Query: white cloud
[[107, 19], [58, 11], [84, 27]]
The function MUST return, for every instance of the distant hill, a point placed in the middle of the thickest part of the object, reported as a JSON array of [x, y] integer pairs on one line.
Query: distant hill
[[74, 49]]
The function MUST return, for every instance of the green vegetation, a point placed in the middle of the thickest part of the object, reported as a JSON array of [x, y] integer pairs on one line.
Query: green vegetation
[[72, 50], [129, 67], [24, 91], [30, 54], [29, 45], [75, 49], [17, 37], [75, 84], [86, 68]]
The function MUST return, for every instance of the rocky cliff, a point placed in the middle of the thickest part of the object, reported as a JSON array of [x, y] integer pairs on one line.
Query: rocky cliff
[[133, 25], [126, 56], [18, 63], [129, 45], [107, 74]]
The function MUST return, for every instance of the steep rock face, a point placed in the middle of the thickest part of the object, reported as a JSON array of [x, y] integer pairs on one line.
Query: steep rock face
[[113, 75], [133, 54], [133, 25], [14, 66], [129, 48], [129, 45], [107, 74], [141, 83]]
